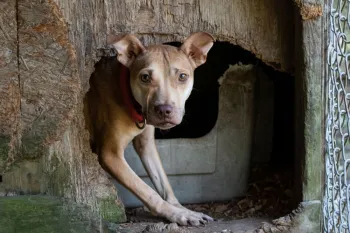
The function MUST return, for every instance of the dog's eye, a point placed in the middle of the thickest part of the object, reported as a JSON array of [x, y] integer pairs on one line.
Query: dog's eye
[[145, 78], [182, 77]]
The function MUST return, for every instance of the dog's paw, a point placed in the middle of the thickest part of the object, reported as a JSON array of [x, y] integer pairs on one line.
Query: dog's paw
[[185, 217], [206, 217]]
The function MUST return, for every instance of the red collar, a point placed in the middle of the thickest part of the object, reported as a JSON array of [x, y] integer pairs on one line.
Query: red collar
[[132, 106]]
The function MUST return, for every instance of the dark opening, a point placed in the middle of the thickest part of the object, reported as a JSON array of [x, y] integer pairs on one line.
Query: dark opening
[[283, 131], [277, 173], [0, 178], [202, 105]]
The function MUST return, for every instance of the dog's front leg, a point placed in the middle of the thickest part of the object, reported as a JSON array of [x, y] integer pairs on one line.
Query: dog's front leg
[[144, 145], [113, 161]]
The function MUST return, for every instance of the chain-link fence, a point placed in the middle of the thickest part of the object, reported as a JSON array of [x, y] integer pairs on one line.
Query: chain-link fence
[[337, 184]]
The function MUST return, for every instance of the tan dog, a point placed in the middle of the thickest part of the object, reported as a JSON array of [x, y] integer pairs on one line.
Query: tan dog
[[161, 80]]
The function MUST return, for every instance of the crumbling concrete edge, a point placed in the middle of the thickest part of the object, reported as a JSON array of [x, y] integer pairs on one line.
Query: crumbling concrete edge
[[309, 220], [304, 219], [309, 11]]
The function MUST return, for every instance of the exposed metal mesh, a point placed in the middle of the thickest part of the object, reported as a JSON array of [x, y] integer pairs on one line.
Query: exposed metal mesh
[[336, 206]]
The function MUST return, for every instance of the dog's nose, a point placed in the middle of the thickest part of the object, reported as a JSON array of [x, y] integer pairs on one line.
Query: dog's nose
[[164, 110]]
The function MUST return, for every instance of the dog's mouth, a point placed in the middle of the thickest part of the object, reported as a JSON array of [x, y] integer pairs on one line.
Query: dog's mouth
[[161, 123], [165, 125]]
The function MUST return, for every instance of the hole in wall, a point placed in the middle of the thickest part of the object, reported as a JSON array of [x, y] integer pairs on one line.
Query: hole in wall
[[205, 98], [0, 178]]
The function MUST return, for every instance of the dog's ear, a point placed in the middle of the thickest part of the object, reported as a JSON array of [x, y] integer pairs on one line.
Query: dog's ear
[[197, 46], [128, 48]]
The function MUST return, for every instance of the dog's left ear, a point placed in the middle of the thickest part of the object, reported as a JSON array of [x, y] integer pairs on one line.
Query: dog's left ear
[[197, 46], [127, 46]]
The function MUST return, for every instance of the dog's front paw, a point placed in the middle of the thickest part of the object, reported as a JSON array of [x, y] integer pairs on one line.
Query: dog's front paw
[[183, 216]]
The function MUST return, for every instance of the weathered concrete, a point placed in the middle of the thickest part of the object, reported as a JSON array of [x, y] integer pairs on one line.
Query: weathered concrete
[[310, 114]]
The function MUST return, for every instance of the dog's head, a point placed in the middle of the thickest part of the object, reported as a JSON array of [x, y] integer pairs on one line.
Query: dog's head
[[161, 76]]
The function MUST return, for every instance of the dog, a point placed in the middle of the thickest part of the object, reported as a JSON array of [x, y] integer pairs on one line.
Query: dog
[[148, 89]]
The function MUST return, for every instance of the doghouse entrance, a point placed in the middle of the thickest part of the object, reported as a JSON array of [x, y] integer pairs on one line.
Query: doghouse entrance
[[236, 141]]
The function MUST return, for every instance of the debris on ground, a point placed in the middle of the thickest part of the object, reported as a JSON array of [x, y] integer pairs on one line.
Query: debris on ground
[[232, 226], [281, 225], [269, 194]]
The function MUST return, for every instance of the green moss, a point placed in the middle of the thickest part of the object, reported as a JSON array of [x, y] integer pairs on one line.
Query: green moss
[[112, 210], [4, 150], [42, 214]]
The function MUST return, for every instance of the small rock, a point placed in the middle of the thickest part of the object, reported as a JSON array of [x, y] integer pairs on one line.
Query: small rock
[[11, 194], [172, 226]]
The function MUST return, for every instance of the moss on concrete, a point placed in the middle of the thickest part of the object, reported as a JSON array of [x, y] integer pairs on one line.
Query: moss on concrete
[[112, 210], [43, 214]]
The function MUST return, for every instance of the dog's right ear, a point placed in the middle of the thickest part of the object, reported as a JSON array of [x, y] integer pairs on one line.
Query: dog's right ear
[[128, 48], [197, 46]]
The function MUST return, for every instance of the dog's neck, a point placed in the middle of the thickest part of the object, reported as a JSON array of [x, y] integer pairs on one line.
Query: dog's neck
[[133, 107]]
